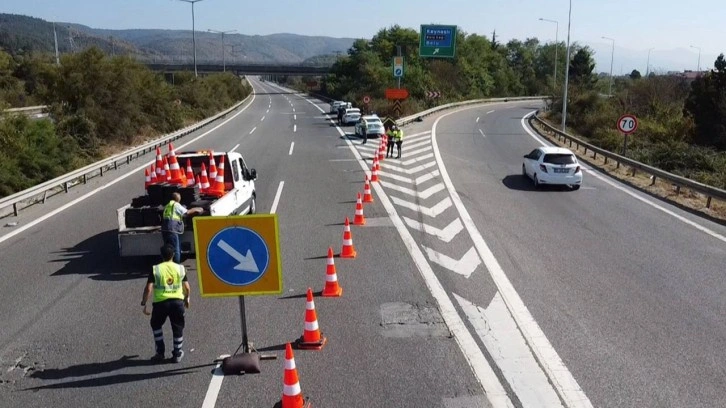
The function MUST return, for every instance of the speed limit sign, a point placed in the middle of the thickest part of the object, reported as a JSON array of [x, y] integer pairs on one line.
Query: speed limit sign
[[366, 99], [627, 124]]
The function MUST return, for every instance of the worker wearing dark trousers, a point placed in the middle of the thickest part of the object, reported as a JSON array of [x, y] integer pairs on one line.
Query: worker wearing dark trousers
[[172, 224], [390, 135], [399, 141], [364, 129], [170, 287]]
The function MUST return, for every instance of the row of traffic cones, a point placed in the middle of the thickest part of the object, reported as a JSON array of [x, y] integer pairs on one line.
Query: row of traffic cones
[[312, 337], [167, 170]]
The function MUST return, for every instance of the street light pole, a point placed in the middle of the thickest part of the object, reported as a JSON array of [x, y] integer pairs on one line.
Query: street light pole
[[224, 53], [699, 58], [647, 67], [557, 46], [55, 39], [567, 71], [612, 58], [194, 38]]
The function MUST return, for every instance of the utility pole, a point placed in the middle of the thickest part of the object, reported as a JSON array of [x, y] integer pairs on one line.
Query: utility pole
[[224, 54], [698, 70], [194, 38], [612, 58], [55, 39], [557, 45], [567, 71], [398, 53], [647, 68], [113, 46]]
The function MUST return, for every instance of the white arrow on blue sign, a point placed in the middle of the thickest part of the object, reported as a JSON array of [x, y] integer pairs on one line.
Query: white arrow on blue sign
[[238, 256]]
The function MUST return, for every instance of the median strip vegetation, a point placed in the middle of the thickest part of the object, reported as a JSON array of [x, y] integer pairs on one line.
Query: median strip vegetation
[[98, 105]]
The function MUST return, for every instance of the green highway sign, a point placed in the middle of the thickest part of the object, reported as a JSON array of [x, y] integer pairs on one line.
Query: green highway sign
[[437, 41]]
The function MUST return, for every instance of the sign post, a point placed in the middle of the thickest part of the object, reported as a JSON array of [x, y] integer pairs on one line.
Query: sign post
[[238, 256], [437, 41], [627, 124]]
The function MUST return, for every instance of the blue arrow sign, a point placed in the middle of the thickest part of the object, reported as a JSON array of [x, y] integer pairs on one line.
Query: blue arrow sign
[[238, 256], [398, 72]]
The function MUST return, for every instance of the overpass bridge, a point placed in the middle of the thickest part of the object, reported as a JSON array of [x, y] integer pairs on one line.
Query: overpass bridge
[[244, 69]]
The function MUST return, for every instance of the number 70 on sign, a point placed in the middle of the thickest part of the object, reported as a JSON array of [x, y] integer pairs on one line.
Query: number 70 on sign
[[627, 124]]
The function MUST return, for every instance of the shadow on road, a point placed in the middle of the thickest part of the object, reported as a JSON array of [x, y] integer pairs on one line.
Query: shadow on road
[[521, 183], [81, 370], [98, 258]]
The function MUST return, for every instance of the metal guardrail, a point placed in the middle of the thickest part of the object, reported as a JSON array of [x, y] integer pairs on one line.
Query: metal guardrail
[[678, 181], [43, 191]]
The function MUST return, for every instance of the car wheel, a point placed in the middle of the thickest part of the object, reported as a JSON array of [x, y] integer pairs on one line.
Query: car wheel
[[253, 205], [535, 181], [576, 187], [524, 171]]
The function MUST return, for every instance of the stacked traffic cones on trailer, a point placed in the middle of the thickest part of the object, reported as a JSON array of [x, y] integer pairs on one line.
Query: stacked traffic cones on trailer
[[167, 170]]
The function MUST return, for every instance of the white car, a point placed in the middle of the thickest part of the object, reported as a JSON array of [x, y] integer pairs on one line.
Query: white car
[[351, 115], [335, 105], [552, 165], [374, 125]]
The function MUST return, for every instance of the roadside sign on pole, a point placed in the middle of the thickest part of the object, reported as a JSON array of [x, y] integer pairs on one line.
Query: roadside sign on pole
[[397, 67], [627, 124], [366, 99], [437, 41], [238, 255]]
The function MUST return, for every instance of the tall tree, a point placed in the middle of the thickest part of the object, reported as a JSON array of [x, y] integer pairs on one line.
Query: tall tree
[[581, 68], [707, 105]]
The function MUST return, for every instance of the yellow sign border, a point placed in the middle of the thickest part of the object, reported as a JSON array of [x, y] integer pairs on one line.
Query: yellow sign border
[[238, 221]]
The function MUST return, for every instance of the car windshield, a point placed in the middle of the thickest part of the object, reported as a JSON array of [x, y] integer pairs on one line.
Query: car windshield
[[559, 158]]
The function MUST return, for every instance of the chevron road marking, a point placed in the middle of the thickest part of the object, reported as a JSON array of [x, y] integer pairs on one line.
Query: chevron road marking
[[427, 177], [412, 135], [500, 335], [421, 194], [432, 212], [410, 145], [418, 159], [417, 137], [420, 180], [412, 170], [419, 151], [464, 266], [446, 234]]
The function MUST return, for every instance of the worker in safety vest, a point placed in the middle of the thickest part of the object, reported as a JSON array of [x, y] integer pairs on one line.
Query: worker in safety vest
[[169, 284], [172, 224], [364, 130], [399, 140], [390, 134]]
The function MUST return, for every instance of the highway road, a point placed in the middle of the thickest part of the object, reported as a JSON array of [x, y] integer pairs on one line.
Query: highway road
[[470, 288]]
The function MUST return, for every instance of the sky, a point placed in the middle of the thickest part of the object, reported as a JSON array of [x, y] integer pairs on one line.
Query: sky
[[667, 26]]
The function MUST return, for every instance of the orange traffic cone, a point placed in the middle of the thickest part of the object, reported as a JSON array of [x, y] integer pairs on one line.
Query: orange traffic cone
[[212, 170], [175, 170], [367, 196], [374, 170], [312, 338], [203, 179], [147, 178], [153, 171], [159, 164], [190, 174], [381, 152], [218, 186], [348, 250], [291, 394], [359, 218], [332, 289], [199, 183], [166, 173]]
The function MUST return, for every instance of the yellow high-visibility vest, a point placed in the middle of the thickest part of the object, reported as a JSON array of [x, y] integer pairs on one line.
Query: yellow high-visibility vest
[[168, 278]]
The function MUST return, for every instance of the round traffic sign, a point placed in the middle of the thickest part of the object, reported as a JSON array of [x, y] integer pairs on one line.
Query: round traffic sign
[[628, 124], [398, 72], [238, 256], [366, 99]]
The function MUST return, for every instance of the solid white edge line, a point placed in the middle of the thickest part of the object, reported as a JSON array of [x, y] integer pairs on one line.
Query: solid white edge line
[[210, 399], [628, 191], [565, 384], [470, 349], [276, 201], [118, 180], [292, 146], [253, 130]]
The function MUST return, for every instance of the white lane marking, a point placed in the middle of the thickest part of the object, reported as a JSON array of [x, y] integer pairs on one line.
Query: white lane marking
[[567, 386], [118, 180], [294, 128], [499, 333], [414, 138], [267, 111], [276, 201], [421, 194], [414, 135], [418, 151], [474, 355], [394, 177], [491, 111], [418, 159], [432, 212], [235, 147], [477, 119], [410, 145], [464, 266], [408, 171], [293, 109], [482, 133], [292, 145], [446, 234], [427, 177], [253, 130], [210, 399], [263, 119], [633, 194], [294, 117]]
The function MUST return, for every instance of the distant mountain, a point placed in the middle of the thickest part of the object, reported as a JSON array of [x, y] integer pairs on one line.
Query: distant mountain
[[661, 60], [22, 34]]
